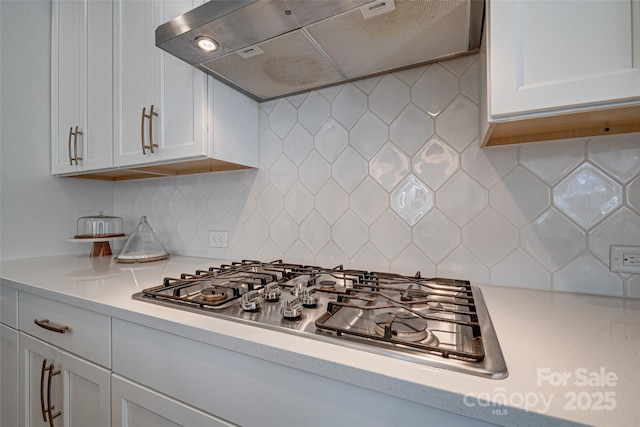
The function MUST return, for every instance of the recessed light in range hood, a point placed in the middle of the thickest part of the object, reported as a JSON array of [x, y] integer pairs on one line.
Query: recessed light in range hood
[[270, 49]]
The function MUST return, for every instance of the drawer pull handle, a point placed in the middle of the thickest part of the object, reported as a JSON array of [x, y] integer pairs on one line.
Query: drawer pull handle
[[44, 323]]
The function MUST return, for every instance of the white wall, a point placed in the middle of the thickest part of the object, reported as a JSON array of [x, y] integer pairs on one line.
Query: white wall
[[337, 165], [37, 211], [325, 192]]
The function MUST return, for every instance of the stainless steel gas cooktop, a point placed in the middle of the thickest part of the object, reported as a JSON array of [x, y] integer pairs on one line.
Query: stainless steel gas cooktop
[[433, 321]]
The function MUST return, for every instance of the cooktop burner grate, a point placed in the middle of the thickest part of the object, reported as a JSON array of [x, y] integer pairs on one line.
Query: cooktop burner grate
[[435, 321]]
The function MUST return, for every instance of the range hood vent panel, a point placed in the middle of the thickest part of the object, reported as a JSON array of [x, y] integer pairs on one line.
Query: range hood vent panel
[[412, 34], [237, 24], [289, 64], [308, 44]]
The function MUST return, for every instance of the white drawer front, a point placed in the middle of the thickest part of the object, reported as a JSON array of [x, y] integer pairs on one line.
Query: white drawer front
[[88, 334], [250, 391], [9, 306]]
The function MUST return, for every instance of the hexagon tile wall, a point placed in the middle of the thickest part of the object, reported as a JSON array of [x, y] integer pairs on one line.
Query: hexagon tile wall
[[387, 174]]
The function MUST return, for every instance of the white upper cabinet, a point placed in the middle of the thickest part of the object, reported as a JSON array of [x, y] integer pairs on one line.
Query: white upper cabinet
[[81, 82], [124, 109], [569, 58], [146, 78], [561, 55]]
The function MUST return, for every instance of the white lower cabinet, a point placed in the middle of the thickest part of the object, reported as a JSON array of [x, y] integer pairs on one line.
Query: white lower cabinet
[[73, 329], [60, 389], [8, 357], [8, 377], [136, 406], [242, 389]]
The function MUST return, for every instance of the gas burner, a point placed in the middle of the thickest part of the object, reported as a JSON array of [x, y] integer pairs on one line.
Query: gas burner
[[426, 306], [402, 326], [214, 294], [421, 298], [328, 285], [292, 310], [252, 301]]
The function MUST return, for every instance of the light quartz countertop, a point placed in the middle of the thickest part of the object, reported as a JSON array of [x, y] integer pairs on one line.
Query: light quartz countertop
[[571, 358]]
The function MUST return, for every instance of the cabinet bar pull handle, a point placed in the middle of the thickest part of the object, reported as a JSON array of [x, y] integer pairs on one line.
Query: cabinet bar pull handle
[[71, 159], [75, 144], [149, 116], [52, 373], [144, 115], [44, 323], [44, 410]]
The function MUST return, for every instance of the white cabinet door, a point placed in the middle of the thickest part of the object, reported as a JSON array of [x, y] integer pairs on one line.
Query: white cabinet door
[[81, 78], [8, 377], [182, 94], [562, 55], [136, 406], [40, 386], [58, 388], [145, 77], [87, 392]]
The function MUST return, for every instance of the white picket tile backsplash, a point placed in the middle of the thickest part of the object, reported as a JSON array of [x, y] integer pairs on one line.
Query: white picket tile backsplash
[[387, 174]]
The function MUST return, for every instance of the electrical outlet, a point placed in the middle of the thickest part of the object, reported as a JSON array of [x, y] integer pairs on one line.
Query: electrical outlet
[[624, 259], [218, 239]]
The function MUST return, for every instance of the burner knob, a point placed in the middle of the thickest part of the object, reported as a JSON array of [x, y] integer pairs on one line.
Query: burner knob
[[252, 301], [291, 309], [309, 297], [272, 292], [297, 288]]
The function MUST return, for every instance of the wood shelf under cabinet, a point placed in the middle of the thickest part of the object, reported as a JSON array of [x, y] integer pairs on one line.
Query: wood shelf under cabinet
[[163, 170], [583, 124]]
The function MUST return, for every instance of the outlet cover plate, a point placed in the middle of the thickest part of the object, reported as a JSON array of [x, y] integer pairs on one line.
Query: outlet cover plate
[[217, 239], [624, 259]]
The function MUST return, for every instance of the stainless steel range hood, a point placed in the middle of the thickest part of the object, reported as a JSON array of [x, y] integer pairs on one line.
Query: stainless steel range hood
[[274, 48]]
